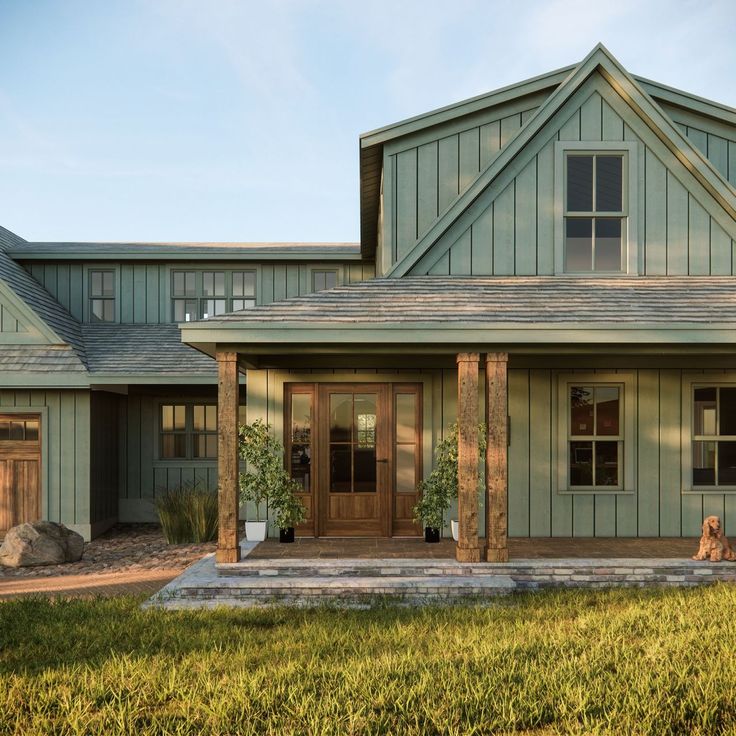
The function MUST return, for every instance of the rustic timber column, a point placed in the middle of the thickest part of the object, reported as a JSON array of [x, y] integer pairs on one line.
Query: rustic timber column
[[468, 546], [497, 485], [228, 546]]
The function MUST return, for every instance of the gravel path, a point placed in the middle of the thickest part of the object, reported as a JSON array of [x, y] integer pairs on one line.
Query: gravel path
[[125, 548]]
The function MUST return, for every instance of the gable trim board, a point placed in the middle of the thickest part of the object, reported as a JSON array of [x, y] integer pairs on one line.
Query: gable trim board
[[35, 330], [598, 60]]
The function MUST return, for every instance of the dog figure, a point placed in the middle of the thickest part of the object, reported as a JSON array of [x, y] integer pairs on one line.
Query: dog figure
[[713, 545]]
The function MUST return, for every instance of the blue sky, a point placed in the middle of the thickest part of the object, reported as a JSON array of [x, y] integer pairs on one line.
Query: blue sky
[[236, 120]]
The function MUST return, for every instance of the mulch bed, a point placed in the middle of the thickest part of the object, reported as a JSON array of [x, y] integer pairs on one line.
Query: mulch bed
[[123, 548]]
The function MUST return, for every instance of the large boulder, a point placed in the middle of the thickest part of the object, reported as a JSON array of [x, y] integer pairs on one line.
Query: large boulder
[[40, 543]]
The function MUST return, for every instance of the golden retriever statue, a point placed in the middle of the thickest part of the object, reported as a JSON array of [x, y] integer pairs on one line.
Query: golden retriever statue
[[713, 544]]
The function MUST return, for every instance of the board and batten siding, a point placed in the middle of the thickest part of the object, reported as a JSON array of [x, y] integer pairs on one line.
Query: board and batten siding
[[715, 139], [143, 290], [510, 229], [142, 474], [656, 508], [65, 452], [428, 171]]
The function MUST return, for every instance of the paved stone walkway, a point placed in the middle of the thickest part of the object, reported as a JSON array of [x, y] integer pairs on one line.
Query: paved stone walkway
[[88, 586]]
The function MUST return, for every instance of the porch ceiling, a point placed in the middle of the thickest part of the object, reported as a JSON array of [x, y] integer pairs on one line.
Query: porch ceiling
[[441, 315]]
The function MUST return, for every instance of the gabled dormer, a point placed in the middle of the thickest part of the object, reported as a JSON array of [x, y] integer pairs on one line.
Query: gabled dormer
[[600, 173]]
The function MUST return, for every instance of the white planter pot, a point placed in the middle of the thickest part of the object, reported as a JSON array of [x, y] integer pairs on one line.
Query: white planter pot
[[454, 524], [255, 531]]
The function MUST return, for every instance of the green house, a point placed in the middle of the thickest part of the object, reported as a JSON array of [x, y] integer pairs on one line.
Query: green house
[[555, 259]]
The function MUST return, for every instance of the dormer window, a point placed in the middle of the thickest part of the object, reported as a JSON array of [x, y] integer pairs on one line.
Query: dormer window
[[595, 213], [102, 296]]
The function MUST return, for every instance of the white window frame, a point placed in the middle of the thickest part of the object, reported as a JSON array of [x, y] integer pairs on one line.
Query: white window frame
[[630, 231], [689, 384], [626, 382]]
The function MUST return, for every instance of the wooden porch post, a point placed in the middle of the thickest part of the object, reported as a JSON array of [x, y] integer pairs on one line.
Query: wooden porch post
[[496, 457], [468, 546], [228, 546]]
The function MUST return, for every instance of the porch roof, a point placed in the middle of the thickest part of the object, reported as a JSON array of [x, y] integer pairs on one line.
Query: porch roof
[[431, 310]]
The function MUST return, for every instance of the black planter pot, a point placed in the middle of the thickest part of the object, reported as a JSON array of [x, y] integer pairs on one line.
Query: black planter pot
[[286, 536], [431, 535]]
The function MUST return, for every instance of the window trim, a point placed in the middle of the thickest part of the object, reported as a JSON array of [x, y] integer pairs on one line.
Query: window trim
[[200, 298], [87, 292], [316, 271], [689, 384], [630, 232], [561, 407]]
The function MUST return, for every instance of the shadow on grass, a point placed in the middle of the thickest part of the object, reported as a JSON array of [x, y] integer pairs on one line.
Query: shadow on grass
[[38, 633]]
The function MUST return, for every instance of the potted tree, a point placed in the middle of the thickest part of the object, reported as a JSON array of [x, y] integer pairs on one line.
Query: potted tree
[[266, 482], [440, 488]]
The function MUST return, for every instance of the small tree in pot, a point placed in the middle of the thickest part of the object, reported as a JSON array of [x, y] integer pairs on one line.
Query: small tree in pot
[[266, 481], [440, 488]]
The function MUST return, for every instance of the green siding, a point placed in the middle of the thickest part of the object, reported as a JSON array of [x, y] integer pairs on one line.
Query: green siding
[[143, 290], [65, 450], [428, 171], [681, 231], [657, 506]]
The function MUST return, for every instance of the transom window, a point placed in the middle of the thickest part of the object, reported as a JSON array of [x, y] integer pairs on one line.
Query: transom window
[[323, 280], [202, 294], [595, 436], [714, 436], [595, 213], [102, 296]]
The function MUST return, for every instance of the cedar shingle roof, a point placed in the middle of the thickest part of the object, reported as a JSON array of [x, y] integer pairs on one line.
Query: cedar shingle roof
[[512, 299], [40, 359]]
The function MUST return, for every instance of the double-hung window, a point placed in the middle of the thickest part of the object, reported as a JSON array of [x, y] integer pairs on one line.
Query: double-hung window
[[102, 296], [189, 431], [244, 290], [714, 436], [595, 213], [595, 436], [596, 431]]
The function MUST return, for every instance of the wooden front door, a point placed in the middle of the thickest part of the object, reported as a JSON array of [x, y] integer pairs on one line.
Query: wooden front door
[[20, 469], [356, 451], [353, 463]]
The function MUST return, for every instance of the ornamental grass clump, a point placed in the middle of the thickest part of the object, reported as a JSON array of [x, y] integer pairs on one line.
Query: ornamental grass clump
[[188, 513]]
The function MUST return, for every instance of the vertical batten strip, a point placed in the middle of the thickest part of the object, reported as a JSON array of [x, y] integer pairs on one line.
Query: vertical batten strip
[[497, 484], [468, 546], [228, 547]]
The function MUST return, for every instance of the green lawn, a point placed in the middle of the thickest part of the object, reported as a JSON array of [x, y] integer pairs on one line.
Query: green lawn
[[618, 662]]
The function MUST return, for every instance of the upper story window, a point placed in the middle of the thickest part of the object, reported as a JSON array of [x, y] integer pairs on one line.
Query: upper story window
[[202, 294], [324, 280], [102, 296], [595, 213]]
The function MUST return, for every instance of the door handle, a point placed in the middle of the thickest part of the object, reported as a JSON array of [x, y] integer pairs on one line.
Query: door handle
[[385, 460]]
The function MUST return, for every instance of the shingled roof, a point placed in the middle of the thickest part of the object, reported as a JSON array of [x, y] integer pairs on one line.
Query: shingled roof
[[114, 349], [514, 299]]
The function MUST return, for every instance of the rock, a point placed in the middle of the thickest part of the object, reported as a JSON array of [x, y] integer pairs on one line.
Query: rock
[[40, 543]]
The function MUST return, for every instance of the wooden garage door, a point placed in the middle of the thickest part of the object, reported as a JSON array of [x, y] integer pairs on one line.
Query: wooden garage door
[[20, 469]]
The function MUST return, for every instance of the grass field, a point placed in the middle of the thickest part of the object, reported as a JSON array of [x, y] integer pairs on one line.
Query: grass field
[[623, 662]]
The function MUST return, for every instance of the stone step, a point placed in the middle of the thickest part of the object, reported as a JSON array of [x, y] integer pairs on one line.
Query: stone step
[[321, 590], [615, 570]]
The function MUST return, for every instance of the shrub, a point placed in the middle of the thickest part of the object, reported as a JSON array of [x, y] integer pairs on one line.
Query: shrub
[[265, 479], [188, 513], [440, 488]]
